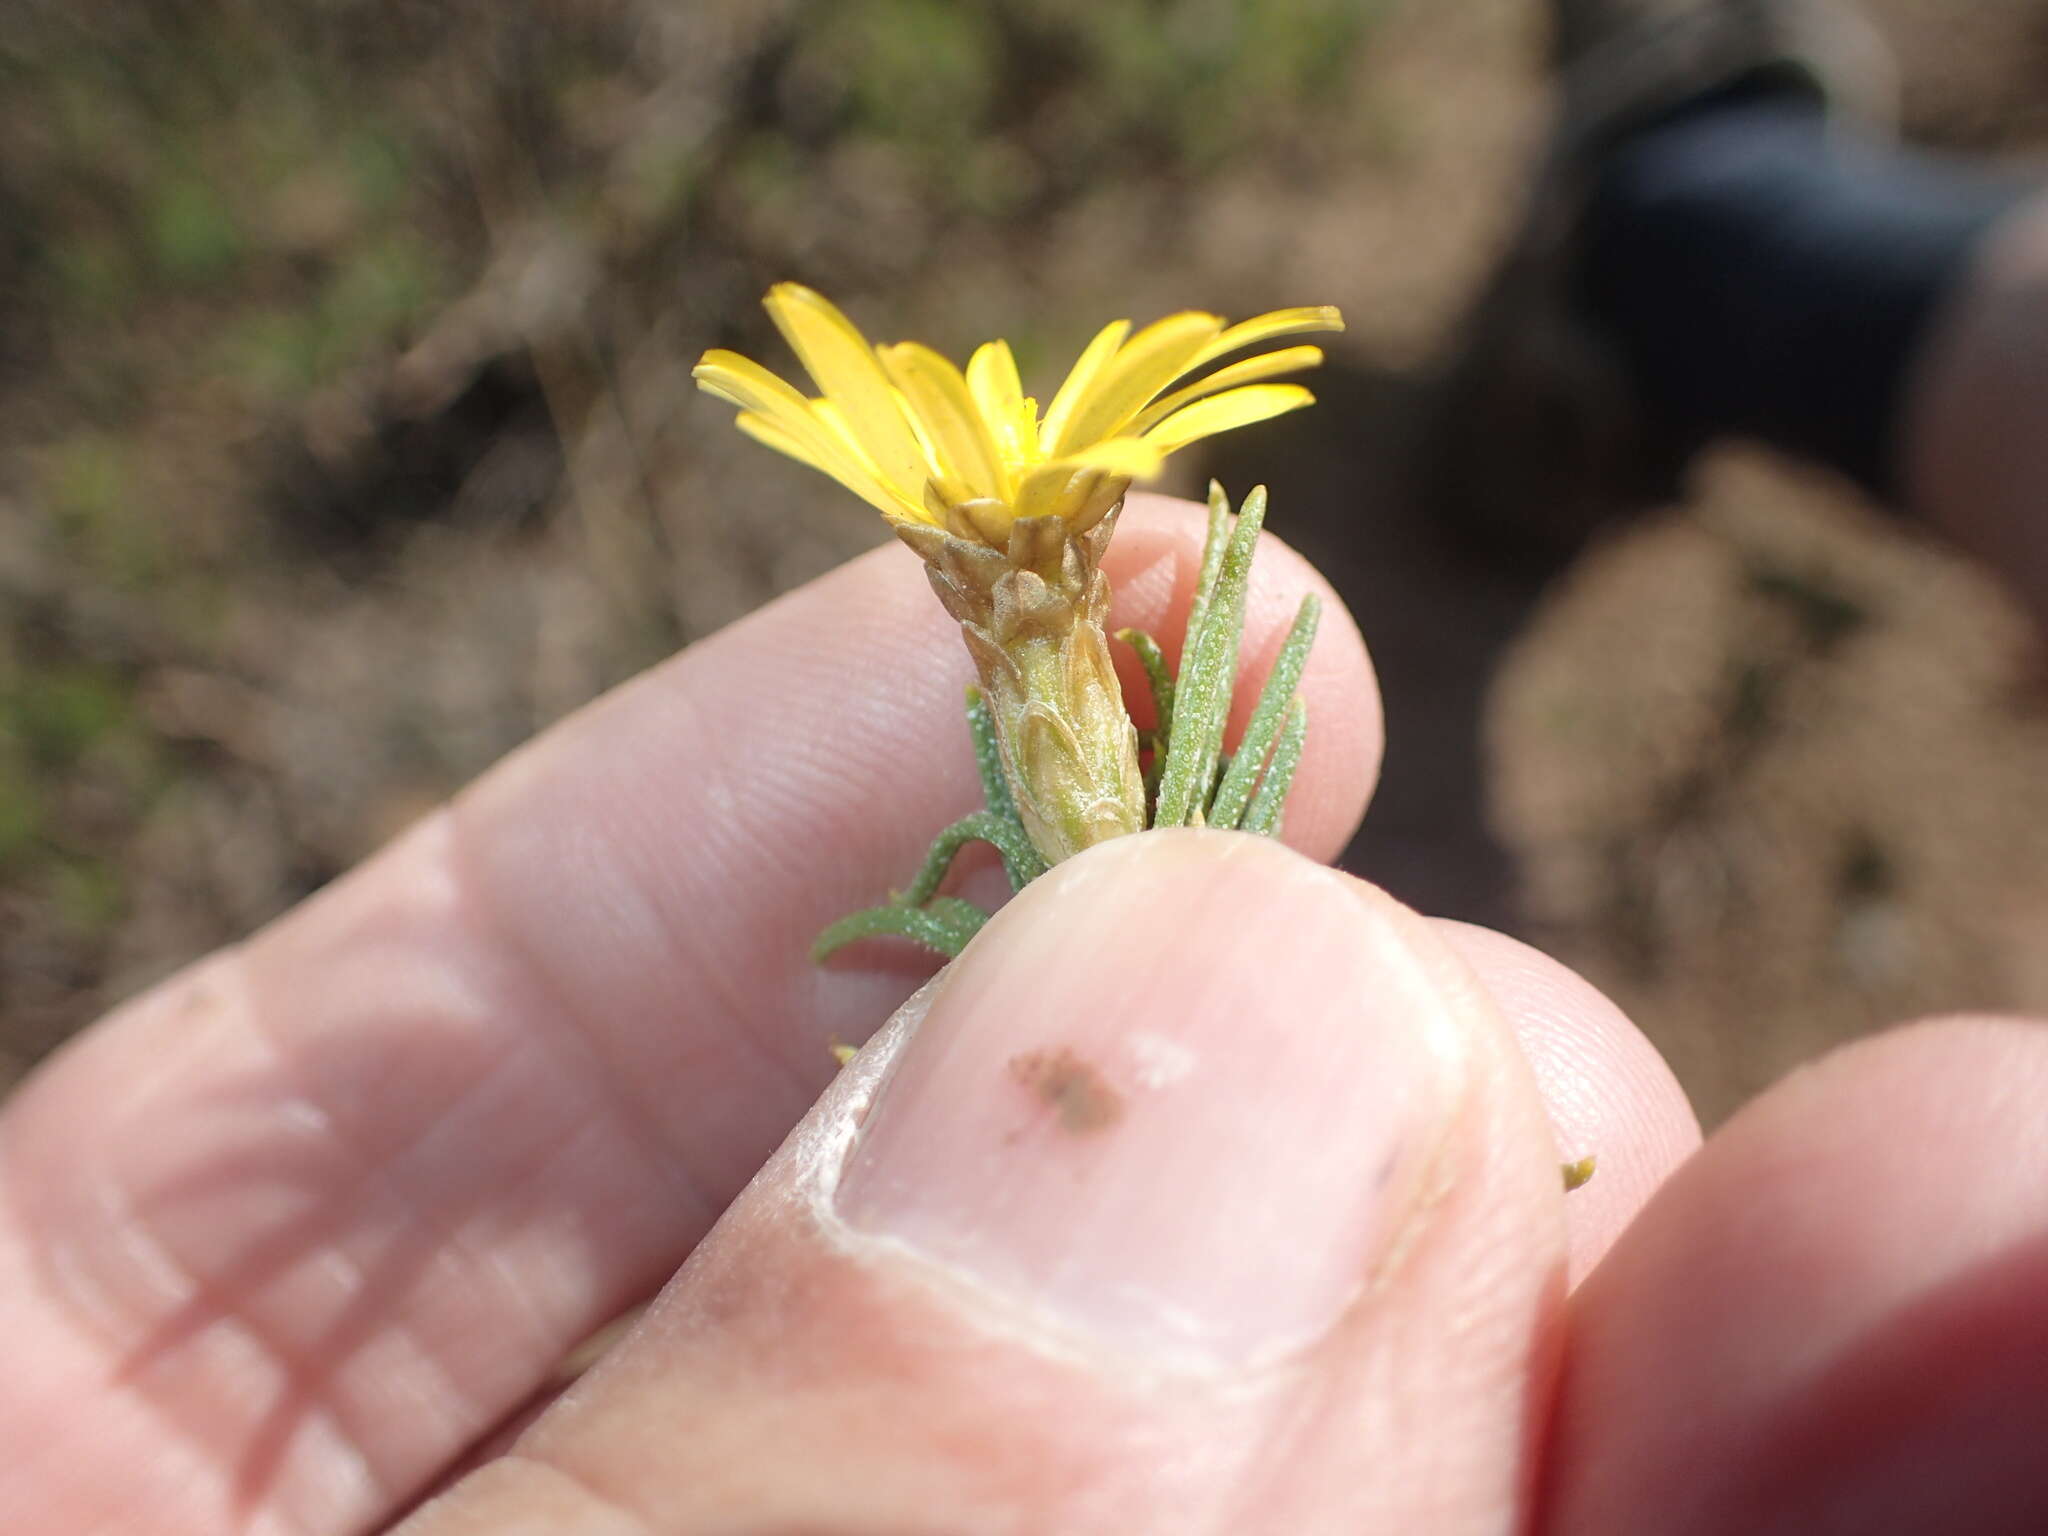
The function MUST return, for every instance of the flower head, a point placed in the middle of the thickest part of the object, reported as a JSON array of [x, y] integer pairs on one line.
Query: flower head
[[924, 443]]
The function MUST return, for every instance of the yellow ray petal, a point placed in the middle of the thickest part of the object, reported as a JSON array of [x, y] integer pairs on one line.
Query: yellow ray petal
[[1145, 365], [772, 412], [953, 422], [1251, 370], [1058, 488], [1068, 485], [851, 376], [1269, 327], [833, 424], [745, 383], [824, 458], [992, 377], [1079, 378], [1130, 456], [1221, 413]]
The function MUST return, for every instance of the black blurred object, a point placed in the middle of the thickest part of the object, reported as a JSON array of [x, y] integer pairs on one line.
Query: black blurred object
[[484, 448], [1545, 433], [1763, 277]]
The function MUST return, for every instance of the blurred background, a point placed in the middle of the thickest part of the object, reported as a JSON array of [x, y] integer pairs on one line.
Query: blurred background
[[347, 439]]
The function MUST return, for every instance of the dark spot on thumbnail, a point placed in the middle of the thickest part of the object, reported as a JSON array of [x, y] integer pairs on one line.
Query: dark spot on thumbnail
[[1071, 1088]]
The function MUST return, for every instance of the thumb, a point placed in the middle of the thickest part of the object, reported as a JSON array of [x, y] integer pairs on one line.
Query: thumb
[[1209, 1193]]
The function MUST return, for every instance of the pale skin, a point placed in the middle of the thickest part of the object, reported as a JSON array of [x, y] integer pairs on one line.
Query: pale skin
[[1974, 457], [304, 1234]]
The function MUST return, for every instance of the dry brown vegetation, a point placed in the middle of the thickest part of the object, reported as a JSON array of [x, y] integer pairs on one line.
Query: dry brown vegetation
[[346, 439]]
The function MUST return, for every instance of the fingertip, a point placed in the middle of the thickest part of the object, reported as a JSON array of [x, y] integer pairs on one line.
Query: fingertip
[[1609, 1094], [1830, 1319]]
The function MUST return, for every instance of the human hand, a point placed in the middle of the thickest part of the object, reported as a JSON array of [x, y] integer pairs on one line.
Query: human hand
[[1212, 1190]]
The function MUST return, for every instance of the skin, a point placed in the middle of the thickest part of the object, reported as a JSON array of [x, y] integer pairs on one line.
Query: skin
[[304, 1235], [1974, 459]]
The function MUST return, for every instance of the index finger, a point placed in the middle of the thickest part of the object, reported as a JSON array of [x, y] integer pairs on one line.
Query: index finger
[[286, 1234]]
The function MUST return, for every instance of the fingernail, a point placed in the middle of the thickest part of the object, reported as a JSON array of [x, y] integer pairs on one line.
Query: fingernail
[[1175, 1101]]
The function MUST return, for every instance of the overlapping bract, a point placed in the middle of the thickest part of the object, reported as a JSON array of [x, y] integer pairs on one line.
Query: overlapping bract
[[925, 443]]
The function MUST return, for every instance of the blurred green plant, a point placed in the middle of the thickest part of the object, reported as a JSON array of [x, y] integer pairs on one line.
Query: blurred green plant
[[911, 68], [1200, 77], [88, 485], [1086, 88], [380, 168], [21, 805], [65, 727], [94, 272], [57, 715], [193, 236], [376, 292], [89, 894]]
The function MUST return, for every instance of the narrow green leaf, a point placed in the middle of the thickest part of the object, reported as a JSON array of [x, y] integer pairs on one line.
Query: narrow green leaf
[[1153, 660], [1212, 562], [1208, 670], [1263, 814], [1235, 793], [1021, 862], [945, 924], [988, 756]]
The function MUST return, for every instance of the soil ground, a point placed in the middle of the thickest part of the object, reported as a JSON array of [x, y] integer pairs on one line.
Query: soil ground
[[346, 439]]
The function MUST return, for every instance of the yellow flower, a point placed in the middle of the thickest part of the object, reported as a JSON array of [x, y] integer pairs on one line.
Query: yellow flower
[[904, 429]]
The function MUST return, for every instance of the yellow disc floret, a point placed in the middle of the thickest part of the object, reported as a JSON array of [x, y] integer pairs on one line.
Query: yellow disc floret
[[903, 428]]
